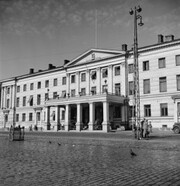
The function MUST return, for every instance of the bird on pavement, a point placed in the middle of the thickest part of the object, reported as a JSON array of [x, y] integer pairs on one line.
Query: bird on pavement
[[59, 144], [132, 153]]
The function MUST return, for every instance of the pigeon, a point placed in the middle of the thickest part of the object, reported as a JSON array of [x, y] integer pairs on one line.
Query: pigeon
[[132, 153], [59, 144]]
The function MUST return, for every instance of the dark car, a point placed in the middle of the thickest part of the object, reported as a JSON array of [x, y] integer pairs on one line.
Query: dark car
[[176, 128]]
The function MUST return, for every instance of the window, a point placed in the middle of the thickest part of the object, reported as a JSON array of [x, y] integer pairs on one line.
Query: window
[[178, 82], [39, 85], [6, 117], [147, 110], [55, 95], [38, 99], [8, 90], [93, 90], [178, 108], [118, 89], [132, 111], [117, 71], [46, 83], [117, 112], [73, 93], [8, 101], [24, 101], [17, 117], [24, 87], [104, 88], [83, 77], [131, 68], [178, 60], [73, 78], [46, 96], [104, 73], [63, 115], [23, 117], [30, 116], [83, 91], [93, 75], [162, 63], [131, 88], [55, 82], [38, 116], [162, 84], [32, 86], [164, 109], [18, 88], [145, 65], [53, 115], [63, 80], [17, 102], [146, 86], [30, 101], [63, 94]]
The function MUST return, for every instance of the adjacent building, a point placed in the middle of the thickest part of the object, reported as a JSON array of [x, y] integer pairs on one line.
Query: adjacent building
[[95, 91]]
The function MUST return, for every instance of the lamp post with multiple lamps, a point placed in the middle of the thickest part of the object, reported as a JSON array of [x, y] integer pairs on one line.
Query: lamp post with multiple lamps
[[137, 17]]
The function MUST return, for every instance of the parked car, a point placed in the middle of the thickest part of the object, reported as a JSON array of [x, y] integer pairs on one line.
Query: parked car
[[176, 128]]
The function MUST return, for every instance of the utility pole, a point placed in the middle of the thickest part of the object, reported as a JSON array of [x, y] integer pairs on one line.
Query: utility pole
[[136, 69]]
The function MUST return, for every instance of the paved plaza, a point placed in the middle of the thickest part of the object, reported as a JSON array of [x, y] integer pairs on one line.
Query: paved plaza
[[90, 159]]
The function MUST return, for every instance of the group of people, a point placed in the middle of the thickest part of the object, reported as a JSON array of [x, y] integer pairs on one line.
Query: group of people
[[144, 129]]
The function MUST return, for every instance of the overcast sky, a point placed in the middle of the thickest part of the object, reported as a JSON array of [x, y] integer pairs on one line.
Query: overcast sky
[[34, 33]]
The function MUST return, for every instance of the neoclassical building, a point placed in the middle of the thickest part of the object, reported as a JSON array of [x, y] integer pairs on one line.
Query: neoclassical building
[[95, 91]]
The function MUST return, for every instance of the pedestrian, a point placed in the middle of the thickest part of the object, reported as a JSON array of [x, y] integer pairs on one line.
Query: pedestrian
[[142, 128], [150, 127], [145, 128]]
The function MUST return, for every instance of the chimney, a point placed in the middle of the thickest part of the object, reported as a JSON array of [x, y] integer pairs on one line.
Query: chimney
[[66, 61], [51, 66], [31, 70], [124, 47], [169, 38], [160, 38]]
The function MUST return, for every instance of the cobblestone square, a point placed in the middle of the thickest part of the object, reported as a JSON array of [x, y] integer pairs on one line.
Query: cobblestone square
[[89, 159]]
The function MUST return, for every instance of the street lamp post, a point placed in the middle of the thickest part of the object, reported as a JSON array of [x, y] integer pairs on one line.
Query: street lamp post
[[136, 68]]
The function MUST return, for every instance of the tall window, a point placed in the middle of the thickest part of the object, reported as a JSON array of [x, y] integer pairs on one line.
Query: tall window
[[104, 88], [17, 102], [162, 62], [38, 116], [178, 60], [30, 101], [83, 91], [93, 90], [17, 117], [8, 90], [63, 115], [117, 71], [147, 110], [8, 103], [73, 78], [18, 88], [46, 83], [32, 86], [55, 82], [118, 89], [178, 108], [39, 85], [63, 94], [24, 87], [73, 93], [145, 65], [178, 82], [30, 116], [23, 117], [164, 109], [38, 99], [131, 88], [132, 111], [146, 86], [63, 80], [162, 84], [24, 101], [117, 112], [54, 95], [105, 73], [131, 68], [83, 77], [93, 75], [46, 96]]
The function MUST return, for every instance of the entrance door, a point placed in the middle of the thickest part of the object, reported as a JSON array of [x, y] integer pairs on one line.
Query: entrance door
[[178, 112]]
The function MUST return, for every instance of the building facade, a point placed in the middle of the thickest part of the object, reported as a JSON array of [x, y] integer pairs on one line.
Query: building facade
[[95, 91]]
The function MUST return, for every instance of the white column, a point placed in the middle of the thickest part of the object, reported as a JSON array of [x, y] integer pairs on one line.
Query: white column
[[91, 115], [5, 91], [110, 79], [67, 117], [105, 116], [77, 83], [175, 111], [88, 82], [68, 84], [79, 117], [98, 80], [2, 96]]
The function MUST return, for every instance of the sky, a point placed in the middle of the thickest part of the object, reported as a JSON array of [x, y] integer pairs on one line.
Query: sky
[[34, 33]]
